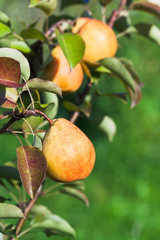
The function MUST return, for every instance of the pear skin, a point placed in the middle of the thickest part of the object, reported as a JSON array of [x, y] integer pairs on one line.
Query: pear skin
[[69, 152]]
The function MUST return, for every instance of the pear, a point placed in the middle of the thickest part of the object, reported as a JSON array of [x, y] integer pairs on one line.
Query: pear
[[69, 152]]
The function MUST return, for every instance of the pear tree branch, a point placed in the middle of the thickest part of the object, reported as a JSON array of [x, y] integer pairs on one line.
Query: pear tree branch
[[116, 13]]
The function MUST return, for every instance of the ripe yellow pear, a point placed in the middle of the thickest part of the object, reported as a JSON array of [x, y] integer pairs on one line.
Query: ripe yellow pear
[[69, 153], [99, 38], [59, 72]]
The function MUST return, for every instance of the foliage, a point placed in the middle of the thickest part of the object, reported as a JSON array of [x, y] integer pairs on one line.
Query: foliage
[[27, 100]]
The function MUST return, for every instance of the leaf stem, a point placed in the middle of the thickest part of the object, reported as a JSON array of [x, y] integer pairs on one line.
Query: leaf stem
[[44, 115]]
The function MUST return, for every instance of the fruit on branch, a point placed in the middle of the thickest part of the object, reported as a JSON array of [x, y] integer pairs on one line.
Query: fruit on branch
[[99, 38], [59, 72], [69, 153]]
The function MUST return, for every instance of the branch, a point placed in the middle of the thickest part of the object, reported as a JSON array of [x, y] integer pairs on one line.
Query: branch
[[20, 115], [116, 13], [57, 25], [27, 210]]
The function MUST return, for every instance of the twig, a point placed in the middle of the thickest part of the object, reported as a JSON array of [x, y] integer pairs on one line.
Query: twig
[[116, 13], [27, 210], [20, 115], [44, 115], [57, 25]]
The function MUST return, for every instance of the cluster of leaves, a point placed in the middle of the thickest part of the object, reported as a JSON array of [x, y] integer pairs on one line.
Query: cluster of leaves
[[27, 101]]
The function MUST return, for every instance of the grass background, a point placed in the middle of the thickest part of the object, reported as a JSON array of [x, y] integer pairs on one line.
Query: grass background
[[123, 189]]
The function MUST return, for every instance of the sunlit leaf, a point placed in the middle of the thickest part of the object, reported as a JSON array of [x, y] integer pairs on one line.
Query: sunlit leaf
[[30, 124], [108, 126], [148, 30], [147, 7], [10, 211], [72, 46], [32, 168], [50, 98], [86, 69], [75, 193], [46, 6], [44, 85], [8, 97], [18, 56], [37, 142], [4, 18], [53, 224], [46, 108], [33, 33], [4, 30], [20, 45], [119, 71]]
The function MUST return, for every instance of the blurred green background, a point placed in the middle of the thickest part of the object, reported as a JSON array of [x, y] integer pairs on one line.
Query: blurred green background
[[124, 187]]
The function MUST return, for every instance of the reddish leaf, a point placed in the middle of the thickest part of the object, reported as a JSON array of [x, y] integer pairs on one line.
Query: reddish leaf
[[32, 168], [10, 73], [147, 7]]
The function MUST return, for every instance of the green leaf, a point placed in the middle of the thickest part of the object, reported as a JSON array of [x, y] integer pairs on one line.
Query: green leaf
[[31, 122], [147, 7], [49, 222], [2, 199], [37, 142], [119, 71], [105, 2], [129, 65], [50, 98], [122, 96], [32, 168], [33, 33], [4, 18], [44, 85], [8, 97], [20, 45], [9, 231], [10, 173], [75, 193], [70, 106], [108, 126], [18, 56], [46, 6], [53, 224], [4, 30], [123, 22], [148, 30], [46, 108], [72, 46], [10, 211]]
